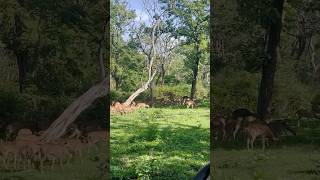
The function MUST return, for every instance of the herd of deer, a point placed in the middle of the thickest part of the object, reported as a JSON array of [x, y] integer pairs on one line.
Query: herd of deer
[[117, 107], [28, 151], [170, 100], [251, 125]]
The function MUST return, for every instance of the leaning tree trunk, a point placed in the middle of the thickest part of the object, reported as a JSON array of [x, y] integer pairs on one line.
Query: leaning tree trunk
[[59, 126], [140, 90], [195, 72], [270, 62]]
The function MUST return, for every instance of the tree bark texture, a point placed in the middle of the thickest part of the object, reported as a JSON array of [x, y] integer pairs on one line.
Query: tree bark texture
[[270, 62]]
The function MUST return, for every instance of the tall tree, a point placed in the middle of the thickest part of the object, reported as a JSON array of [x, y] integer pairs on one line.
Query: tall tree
[[270, 61], [150, 39], [122, 18], [190, 19]]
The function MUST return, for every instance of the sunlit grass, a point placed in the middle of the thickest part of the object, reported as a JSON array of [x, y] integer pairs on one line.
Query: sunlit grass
[[159, 143]]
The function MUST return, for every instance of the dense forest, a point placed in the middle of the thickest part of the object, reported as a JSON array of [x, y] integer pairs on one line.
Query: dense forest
[[159, 80], [49, 56], [265, 82], [240, 35], [170, 49], [53, 87]]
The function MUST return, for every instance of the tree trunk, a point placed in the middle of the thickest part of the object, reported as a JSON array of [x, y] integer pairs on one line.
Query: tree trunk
[[163, 72], [59, 126], [152, 85], [140, 90], [101, 62], [270, 62], [100, 49], [22, 69], [195, 72], [18, 51]]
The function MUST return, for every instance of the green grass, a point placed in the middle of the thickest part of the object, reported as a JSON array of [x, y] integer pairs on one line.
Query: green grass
[[293, 158], [75, 170], [159, 143]]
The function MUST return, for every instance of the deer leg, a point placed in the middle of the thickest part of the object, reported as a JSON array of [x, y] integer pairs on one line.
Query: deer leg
[[60, 162], [248, 143], [237, 128], [14, 162], [80, 155], [252, 142], [223, 134], [52, 163], [41, 166], [263, 143]]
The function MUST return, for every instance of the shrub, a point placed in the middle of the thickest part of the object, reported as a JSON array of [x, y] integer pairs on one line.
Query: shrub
[[234, 89], [175, 90]]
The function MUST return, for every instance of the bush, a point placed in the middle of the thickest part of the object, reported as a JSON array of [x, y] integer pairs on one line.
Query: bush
[[234, 89], [176, 91], [13, 106], [316, 103]]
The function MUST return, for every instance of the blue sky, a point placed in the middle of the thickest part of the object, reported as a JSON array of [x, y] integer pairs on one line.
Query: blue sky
[[138, 6]]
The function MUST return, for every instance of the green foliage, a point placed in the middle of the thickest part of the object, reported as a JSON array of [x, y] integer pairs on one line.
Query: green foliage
[[176, 91], [316, 103], [57, 43], [10, 104], [235, 89]]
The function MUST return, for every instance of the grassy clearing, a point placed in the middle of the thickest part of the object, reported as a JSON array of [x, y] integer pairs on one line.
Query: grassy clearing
[[89, 169], [159, 143], [293, 158]]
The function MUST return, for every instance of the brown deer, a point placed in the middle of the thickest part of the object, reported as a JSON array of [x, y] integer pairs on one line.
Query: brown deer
[[96, 136], [54, 153], [75, 147], [257, 129], [190, 103], [142, 105], [241, 116], [184, 99], [9, 153]]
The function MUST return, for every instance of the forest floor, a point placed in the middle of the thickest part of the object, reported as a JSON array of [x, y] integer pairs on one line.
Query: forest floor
[[159, 143], [293, 158], [87, 169]]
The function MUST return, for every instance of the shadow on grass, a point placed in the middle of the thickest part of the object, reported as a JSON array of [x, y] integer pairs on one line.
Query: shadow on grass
[[163, 152]]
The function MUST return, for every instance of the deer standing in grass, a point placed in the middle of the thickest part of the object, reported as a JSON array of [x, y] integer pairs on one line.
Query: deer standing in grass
[[257, 129]]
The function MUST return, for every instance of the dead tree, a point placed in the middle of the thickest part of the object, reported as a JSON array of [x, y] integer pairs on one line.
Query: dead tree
[[149, 39]]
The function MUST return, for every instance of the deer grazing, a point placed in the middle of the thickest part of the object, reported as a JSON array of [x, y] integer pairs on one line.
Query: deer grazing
[[27, 149], [241, 116], [118, 107], [256, 129], [190, 104]]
